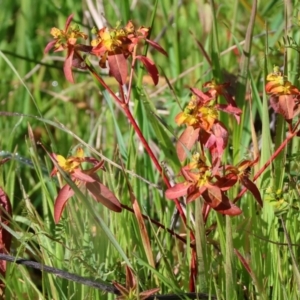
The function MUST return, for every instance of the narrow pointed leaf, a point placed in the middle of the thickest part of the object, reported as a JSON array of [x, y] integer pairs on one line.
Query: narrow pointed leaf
[[49, 46], [130, 279], [252, 188], [157, 47], [151, 68], [68, 65], [63, 196], [243, 261], [103, 195], [68, 22]]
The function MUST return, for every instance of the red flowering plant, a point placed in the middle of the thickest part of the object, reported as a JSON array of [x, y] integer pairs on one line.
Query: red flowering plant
[[82, 178], [112, 45], [202, 179], [201, 117], [285, 97], [66, 39], [115, 45]]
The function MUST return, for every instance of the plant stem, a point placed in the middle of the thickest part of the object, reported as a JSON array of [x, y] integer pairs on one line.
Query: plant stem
[[124, 105], [275, 154], [153, 158]]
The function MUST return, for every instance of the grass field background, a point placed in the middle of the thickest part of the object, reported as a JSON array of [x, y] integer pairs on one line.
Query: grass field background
[[34, 95]]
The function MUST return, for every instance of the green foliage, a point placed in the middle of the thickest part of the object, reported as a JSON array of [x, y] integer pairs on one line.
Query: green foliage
[[94, 242]]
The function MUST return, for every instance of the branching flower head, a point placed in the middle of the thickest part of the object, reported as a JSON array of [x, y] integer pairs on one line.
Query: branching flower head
[[200, 180], [115, 45], [66, 39], [201, 117], [284, 96], [82, 178]]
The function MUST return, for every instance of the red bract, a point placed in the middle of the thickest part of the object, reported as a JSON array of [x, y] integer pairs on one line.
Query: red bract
[[130, 291], [284, 96], [66, 40], [201, 115], [115, 45], [241, 173], [82, 178], [201, 181]]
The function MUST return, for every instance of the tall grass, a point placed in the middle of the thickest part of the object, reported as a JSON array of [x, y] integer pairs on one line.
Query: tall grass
[[92, 241]]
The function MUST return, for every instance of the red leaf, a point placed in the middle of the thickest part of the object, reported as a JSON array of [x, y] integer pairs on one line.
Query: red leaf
[[214, 196], [243, 261], [204, 97], [186, 141], [226, 182], [130, 279], [49, 46], [230, 109], [228, 209], [118, 67], [68, 65], [194, 192], [157, 47], [97, 165], [145, 294], [78, 174], [286, 106], [69, 20], [150, 66], [225, 207], [5, 236], [63, 196], [178, 190], [252, 188], [103, 195]]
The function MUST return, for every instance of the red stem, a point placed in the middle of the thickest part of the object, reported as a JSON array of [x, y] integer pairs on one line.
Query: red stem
[[275, 154], [154, 159], [124, 104], [131, 75]]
